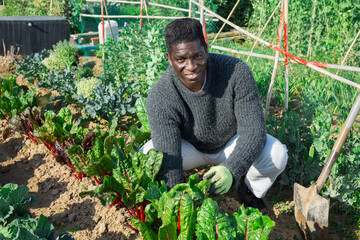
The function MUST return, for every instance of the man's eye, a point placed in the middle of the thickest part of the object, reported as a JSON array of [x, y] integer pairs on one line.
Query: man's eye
[[180, 60], [199, 56]]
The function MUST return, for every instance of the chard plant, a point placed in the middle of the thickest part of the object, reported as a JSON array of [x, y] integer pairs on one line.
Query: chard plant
[[130, 174], [17, 106], [15, 220], [186, 212], [59, 131], [14, 98]]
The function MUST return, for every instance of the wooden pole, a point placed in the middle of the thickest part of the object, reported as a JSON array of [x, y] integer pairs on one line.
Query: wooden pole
[[286, 42], [146, 9], [201, 12], [232, 11], [131, 16], [308, 64], [262, 30], [318, 64], [107, 14], [351, 46], [102, 21], [276, 63], [150, 4], [189, 9], [311, 30], [141, 13]]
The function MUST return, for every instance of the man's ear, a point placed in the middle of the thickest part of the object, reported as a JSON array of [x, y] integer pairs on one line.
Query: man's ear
[[206, 49], [169, 58]]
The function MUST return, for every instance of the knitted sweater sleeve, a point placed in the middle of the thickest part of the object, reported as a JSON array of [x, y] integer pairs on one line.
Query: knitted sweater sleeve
[[165, 133], [251, 126]]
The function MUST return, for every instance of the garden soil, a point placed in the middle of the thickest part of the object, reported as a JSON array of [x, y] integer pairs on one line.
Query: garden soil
[[25, 163]]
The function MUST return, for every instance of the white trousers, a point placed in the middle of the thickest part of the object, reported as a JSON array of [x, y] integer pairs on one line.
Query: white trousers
[[262, 173]]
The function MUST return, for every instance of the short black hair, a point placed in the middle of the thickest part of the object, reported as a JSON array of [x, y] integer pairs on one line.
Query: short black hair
[[184, 30]]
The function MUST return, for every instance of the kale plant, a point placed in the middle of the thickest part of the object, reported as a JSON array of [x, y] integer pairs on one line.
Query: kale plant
[[32, 67], [109, 102], [65, 82]]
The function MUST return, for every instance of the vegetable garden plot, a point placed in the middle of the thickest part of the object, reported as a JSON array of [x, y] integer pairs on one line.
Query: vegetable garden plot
[[306, 130]]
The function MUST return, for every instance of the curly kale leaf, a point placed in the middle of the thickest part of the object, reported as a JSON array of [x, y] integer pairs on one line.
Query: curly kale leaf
[[32, 67], [109, 102]]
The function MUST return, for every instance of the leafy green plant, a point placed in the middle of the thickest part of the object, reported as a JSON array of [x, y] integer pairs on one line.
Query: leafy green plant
[[15, 219], [59, 131], [15, 104], [131, 174], [63, 56], [139, 59], [14, 203], [32, 67], [185, 212], [109, 102], [25, 122], [85, 86]]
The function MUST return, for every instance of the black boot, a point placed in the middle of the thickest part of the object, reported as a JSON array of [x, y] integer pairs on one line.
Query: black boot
[[249, 199]]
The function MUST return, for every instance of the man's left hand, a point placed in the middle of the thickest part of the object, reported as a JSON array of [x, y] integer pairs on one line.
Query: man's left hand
[[221, 179]]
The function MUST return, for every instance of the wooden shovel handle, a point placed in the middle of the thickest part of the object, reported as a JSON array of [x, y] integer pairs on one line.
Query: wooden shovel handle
[[338, 145]]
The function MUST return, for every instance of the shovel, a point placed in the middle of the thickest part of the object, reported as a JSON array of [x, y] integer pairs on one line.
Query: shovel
[[312, 210]]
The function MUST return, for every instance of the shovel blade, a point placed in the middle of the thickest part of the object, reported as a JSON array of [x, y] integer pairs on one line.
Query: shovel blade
[[311, 212]]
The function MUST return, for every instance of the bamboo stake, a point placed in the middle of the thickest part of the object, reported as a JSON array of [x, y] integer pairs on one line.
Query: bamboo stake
[[132, 16], [151, 4], [262, 30], [311, 30], [308, 64], [232, 11], [189, 9], [323, 65], [352, 44], [146, 9], [141, 13], [102, 21], [261, 11], [103, 29], [286, 41], [107, 14], [201, 12], [276, 63]]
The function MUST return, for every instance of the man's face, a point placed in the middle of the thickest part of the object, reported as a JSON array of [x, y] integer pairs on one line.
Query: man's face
[[189, 60]]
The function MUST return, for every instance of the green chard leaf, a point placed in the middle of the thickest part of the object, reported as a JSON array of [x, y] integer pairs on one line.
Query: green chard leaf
[[252, 223], [213, 224]]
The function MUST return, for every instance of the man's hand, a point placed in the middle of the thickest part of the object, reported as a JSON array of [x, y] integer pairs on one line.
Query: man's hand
[[221, 179]]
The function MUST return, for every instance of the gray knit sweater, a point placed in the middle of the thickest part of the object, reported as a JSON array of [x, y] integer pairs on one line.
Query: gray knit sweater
[[228, 104]]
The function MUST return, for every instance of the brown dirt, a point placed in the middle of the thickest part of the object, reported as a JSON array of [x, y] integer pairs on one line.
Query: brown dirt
[[26, 163]]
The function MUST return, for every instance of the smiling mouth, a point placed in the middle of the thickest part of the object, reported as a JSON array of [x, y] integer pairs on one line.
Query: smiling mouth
[[192, 75]]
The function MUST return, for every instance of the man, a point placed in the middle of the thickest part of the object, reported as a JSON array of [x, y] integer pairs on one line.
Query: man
[[205, 109]]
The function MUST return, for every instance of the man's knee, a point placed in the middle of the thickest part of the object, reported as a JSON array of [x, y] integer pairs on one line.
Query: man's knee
[[147, 146], [279, 155]]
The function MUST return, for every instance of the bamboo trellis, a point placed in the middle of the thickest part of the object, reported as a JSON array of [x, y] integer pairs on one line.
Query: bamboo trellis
[[313, 65], [283, 26]]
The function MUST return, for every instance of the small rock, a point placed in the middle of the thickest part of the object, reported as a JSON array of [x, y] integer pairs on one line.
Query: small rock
[[54, 191], [27, 154], [72, 217], [102, 227]]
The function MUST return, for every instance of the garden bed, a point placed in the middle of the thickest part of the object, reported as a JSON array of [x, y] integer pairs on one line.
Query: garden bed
[[25, 163]]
